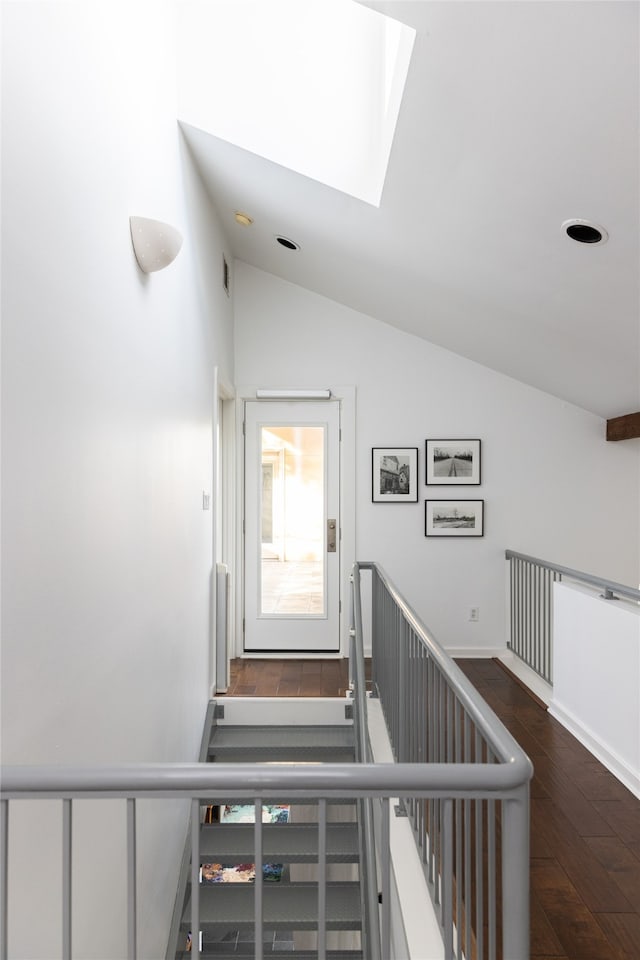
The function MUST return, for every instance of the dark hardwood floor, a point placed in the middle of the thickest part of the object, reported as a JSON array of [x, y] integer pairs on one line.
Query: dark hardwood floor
[[585, 826], [288, 678], [585, 834]]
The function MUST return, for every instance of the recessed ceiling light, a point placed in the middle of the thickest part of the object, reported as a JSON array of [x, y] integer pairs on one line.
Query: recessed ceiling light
[[289, 244], [243, 219], [584, 231]]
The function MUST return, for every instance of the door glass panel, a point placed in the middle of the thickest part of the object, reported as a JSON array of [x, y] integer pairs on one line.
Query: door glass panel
[[292, 520]]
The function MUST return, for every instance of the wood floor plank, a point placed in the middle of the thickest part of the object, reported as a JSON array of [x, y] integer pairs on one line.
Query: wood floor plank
[[622, 866], [585, 819], [576, 928], [623, 931], [623, 816]]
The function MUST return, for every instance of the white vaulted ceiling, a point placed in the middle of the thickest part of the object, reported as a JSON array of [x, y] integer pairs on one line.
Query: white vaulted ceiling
[[516, 117]]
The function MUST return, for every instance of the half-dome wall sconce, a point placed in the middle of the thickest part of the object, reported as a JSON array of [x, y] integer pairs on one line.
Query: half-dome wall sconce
[[155, 244]]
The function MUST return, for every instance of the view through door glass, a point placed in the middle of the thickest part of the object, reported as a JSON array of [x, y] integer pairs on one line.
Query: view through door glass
[[291, 541], [292, 579]]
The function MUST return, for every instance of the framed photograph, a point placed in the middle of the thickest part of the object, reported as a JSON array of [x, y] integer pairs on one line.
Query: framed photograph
[[454, 518], [453, 461], [394, 475]]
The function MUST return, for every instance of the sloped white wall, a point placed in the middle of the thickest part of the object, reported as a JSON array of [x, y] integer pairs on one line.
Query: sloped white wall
[[552, 486], [107, 448]]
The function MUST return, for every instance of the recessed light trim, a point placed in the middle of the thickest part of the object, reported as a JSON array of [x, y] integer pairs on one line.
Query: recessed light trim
[[243, 219], [287, 243], [585, 231]]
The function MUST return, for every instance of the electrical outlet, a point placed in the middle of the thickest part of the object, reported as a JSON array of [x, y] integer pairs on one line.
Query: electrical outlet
[[474, 614]]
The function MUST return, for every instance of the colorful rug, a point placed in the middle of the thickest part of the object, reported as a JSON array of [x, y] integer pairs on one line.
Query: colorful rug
[[246, 872], [239, 872], [246, 813]]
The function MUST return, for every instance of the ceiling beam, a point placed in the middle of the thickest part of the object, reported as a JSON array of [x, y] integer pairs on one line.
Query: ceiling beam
[[624, 428]]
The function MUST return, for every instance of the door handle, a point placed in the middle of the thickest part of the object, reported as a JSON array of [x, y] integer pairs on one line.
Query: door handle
[[331, 536]]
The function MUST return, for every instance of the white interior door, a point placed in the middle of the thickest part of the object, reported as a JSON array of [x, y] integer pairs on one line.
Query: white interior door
[[292, 527]]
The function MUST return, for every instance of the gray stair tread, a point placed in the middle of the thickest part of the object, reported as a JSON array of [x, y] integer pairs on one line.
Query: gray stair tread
[[277, 742], [218, 952], [286, 842], [287, 906], [221, 951]]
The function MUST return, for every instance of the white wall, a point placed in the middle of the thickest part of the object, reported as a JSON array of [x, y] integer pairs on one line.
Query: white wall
[[107, 443], [553, 488], [596, 669]]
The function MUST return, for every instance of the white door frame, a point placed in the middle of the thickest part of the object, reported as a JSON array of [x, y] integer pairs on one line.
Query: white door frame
[[347, 397], [223, 391]]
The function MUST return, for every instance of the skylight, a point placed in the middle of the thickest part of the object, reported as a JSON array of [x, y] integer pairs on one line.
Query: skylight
[[315, 86]]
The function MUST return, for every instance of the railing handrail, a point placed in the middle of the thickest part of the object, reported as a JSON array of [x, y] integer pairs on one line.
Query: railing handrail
[[332, 780], [506, 748], [369, 892], [629, 593]]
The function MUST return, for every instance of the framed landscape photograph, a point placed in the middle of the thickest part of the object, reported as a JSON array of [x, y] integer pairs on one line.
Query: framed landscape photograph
[[453, 461], [454, 518], [394, 474]]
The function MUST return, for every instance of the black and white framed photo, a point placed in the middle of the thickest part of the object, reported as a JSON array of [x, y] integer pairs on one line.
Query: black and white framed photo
[[394, 475], [454, 518], [452, 462]]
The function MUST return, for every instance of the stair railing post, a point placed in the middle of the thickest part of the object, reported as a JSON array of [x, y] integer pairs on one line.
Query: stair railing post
[[322, 879], [4, 880], [195, 877], [515, 874], [67, 833], [132, 905], [257, 854]]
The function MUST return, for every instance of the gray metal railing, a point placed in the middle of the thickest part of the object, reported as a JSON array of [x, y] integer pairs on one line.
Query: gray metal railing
[[458, 770], [473, 840], [531, 606]]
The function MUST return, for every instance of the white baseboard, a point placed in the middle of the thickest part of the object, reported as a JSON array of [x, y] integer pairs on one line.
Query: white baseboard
[[532, 680], [474, 653], [614, 763]]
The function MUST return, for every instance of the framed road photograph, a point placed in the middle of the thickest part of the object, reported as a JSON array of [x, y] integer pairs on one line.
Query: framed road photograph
[[394, 474], [454, 518], [453, 461]]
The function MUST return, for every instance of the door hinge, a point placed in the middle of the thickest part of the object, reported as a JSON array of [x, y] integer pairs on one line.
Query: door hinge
[[244, 428], [243, 624], [340, 606]]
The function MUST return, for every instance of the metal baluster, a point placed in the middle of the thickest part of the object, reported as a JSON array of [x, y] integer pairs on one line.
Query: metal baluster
[[479, 861], [322, 880], [67, 853], [4, 880], [447, 878], [132, 904], [515, 874], [458, 814], [467, 844], [386, 879], [491, 867], [536, 630], [259, 885], [195, 877]]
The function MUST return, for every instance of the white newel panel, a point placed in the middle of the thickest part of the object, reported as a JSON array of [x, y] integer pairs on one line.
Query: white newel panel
[[596, 667]]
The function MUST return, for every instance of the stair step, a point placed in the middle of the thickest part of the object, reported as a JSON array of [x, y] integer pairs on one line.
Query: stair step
[[281, 842], [221, 951], [252, 743], [227, 951], [286, 906]]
